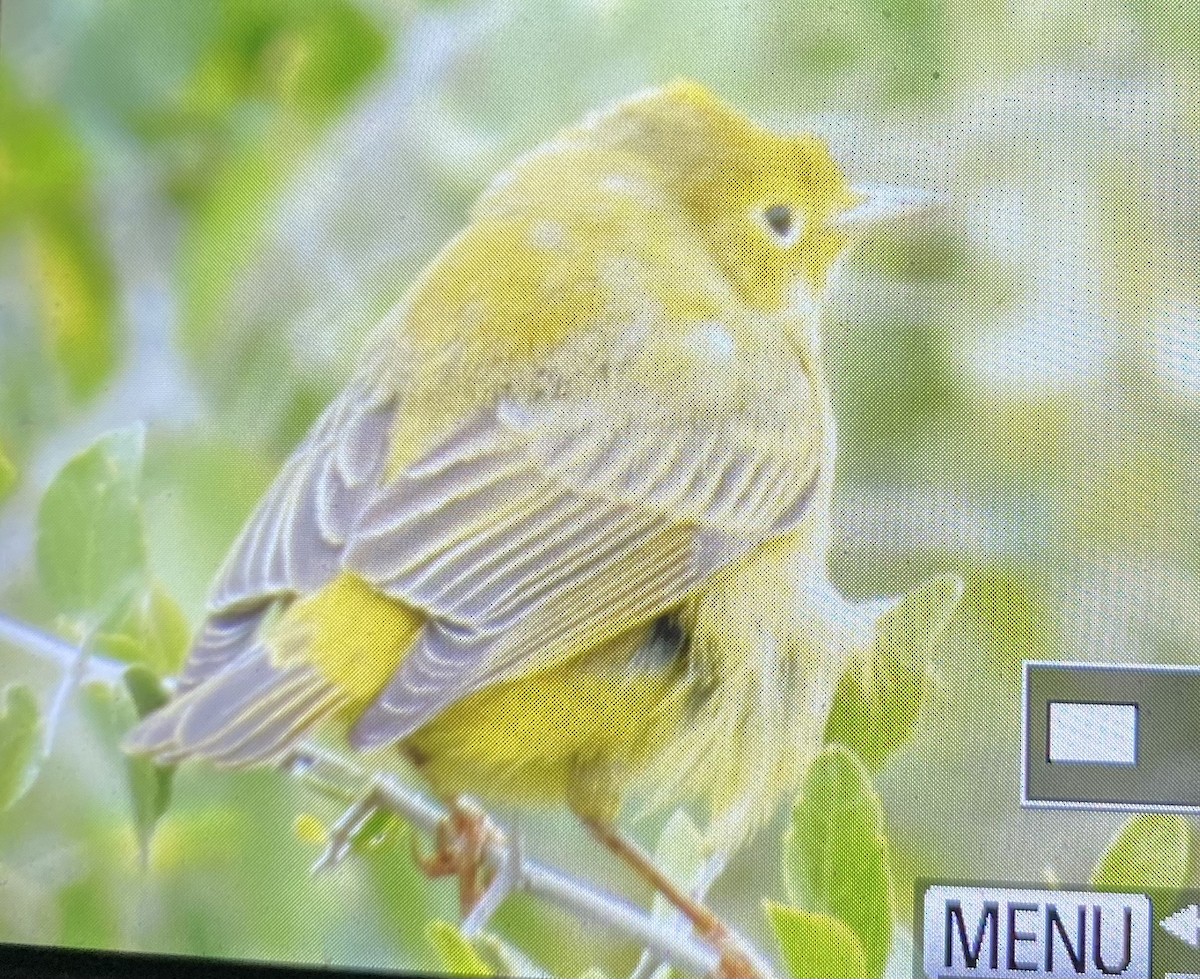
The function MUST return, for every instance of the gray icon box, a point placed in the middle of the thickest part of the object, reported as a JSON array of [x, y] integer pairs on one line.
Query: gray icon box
[[1111, 737]]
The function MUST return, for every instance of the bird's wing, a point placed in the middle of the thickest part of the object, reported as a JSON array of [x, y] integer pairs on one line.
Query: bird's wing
[[537, 529], [532, 530], [293, 543]]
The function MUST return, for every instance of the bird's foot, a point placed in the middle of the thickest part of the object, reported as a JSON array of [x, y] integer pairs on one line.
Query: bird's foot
[[346, 830], [735, 962], [461, 851], [506, 879]]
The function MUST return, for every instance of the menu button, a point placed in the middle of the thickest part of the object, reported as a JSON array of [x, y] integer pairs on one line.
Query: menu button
[[1004, 933]]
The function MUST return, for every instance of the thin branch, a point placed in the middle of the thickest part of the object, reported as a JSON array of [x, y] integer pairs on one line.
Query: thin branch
[[67, 685], [651, 961], [58, 652], [332, 775]]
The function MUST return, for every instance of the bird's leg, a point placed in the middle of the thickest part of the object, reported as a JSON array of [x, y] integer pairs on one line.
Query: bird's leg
[[343, 833], [462, 839], [650, 962], [735, 962], [506, 879]]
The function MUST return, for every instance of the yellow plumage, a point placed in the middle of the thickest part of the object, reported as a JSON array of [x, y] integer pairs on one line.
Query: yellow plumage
[[549, 541]]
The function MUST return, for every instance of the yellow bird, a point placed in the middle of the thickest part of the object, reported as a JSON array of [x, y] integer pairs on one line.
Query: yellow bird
[[550, 539]]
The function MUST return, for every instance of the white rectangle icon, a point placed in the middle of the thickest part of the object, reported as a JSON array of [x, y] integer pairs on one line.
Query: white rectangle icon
[[1003, 933], [1093, 734]]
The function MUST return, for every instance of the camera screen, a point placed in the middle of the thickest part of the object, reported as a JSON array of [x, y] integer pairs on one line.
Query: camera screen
[[602, 487]]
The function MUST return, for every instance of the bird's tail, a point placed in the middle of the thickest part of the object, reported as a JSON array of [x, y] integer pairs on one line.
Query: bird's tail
[[277, 681], [251, 712]]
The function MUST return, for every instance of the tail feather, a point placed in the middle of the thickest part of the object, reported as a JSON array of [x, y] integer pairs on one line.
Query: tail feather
[[239, 694], [274, 740], [156, 733], [254, 684], [253, 711], [281, 705]]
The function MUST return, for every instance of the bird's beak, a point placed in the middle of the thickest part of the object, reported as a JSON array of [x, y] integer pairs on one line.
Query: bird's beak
[[879, 203]]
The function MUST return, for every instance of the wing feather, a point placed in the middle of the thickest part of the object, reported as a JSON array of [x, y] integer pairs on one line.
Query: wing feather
[[518, 594], [221, 640], [524, 535], [293, 542], [475, 566]]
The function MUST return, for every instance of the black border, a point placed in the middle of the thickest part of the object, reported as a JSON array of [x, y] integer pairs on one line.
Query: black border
[[57, 962]]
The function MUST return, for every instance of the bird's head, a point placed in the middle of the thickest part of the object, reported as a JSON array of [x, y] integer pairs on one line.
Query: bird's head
[[774, 209]]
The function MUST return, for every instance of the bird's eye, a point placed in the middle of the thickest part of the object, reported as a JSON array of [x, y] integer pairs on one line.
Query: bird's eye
[[781, 222]]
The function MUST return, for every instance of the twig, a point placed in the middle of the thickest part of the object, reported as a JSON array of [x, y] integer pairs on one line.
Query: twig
[[651, 961], [60, 653], [70, 682], [332, 775]]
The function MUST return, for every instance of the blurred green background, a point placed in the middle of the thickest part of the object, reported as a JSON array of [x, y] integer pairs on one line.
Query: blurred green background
[[204, 206]]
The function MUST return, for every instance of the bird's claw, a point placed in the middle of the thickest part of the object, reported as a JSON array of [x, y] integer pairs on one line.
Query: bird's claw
[[461, 844], [441, 862], [504, 881], [734, 962], [462, 840], [345, 831]]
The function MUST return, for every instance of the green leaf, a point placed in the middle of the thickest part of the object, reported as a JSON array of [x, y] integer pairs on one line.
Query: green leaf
[[45, 198], [284, 56], [41, 163], [150, 797], [145, 690], [91, 548], [325, 55], [835, 854], [680, 853], [8, 475], [816, 946], [150, 631], [76, 293], [20, 744], [1149, 850], [507, 960], [883, 691], [456, 954], [149, 785]]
